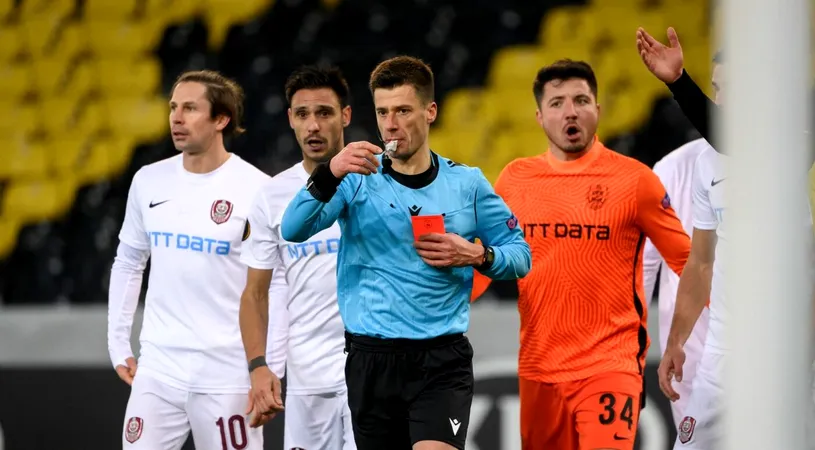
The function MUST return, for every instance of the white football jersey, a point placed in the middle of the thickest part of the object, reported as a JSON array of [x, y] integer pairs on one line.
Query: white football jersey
[[710, 213], [315, 361], [193, 225], [675, 171]]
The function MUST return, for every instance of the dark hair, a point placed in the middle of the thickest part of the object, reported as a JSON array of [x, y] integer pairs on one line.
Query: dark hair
[[718, 58], [564, 69], [224, 95], [402, 70], [317, 77]]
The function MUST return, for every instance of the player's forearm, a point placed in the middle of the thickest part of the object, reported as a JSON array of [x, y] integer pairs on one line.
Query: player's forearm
[[123, 300], [695, 105], [512, 261], [254, 323], [692, 295]]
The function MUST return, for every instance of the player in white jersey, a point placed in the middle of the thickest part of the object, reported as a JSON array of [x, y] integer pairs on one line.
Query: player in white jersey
[[676, 172], [317, 414], [188, 215], [700, 428]]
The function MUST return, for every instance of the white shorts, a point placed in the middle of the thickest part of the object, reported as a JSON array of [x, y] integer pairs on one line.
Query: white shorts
[[318, 422], [685, 388], [701, 427], [160, 417]]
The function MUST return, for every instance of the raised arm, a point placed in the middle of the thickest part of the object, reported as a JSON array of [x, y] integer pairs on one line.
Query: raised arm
[[329, 190]]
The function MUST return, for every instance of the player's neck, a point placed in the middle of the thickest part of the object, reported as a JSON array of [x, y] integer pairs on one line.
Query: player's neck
[[206, 161], [561, 155], [416, 164], [309, 165]]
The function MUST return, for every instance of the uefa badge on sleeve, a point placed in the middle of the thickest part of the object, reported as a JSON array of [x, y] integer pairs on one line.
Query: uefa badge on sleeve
[[221, 211], [133, 429], [666, 201]]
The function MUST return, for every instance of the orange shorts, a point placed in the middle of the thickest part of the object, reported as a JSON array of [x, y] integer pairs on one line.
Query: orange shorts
[[600, 412]]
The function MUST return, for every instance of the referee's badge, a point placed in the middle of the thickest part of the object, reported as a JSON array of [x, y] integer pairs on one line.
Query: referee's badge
[[221, 211]]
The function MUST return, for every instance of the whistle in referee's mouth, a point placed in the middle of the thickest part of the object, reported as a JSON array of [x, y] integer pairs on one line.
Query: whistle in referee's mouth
[[390, 147]]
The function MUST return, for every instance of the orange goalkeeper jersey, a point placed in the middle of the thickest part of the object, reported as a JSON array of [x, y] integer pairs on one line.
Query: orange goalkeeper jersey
[[586, 221]]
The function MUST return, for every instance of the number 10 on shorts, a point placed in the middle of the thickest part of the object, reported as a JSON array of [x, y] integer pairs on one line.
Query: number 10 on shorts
[[233, 432]]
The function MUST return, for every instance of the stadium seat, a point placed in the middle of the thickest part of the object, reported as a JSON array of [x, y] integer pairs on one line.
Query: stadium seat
[[559, 24], [107, 38], [8, 234], [11, 43], [463, 145], [16, 80], [115, 11], [66, 153], [6, 7], [619, 24], [509, 145], [517, 66], [221, 15], [144, 119], [39, 32], [57, 115], [460, 107], [32, 201], [509, 107], [49, 74], [128, 75], [23, 160], [33, 9], [20, 119], [70, 42], [107, 158]]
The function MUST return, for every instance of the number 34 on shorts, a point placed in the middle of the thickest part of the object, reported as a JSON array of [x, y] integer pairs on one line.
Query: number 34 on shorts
[[617, 411]]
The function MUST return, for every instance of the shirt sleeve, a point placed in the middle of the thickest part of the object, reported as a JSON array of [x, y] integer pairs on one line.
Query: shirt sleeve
[[307, 214], [277, 338], [695, 105], [704, 217], [651, 259], [123, 299], [133, 232], [498, 228], [261, 246], [657, 218]]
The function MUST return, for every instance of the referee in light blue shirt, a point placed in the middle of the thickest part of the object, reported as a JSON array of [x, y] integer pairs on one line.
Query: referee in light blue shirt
[[405, 302]]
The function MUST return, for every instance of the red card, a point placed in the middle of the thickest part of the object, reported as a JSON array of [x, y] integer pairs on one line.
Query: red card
[[426, 225]]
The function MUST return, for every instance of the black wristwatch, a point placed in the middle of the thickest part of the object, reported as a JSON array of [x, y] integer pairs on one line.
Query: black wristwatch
[[489, 258]]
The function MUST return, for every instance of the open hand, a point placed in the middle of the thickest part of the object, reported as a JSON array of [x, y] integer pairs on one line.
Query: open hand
[[448, 250], [663, 61]]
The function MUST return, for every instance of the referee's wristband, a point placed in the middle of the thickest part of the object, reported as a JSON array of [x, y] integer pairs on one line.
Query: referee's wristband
[[260, 361], [322, 184]]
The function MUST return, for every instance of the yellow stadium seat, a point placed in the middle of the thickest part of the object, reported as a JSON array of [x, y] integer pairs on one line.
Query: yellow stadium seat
[[70, 42], [39, 32], [66, 153], [94, 117], [689, 21], [49, 74], [34, 9], [107, 158], [118, 10], [509, 107], [32, 201], [128, 75], [6, 7], [11, 42], [83, 81], [618, 24], [460, 107], [517, 66], [107, 38], [168, 12], [16, 82], [23, 160], [462, 145], [8, 235], [510, 144], [221, 15], [330, 4], [57, 114], [19, 119], [564, 25], [143, 119]]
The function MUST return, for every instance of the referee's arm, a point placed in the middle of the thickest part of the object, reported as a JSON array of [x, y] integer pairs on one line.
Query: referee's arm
[[500, 231], [316, 207]]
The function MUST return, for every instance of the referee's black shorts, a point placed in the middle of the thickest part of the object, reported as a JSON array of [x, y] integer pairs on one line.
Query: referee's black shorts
[[403, 391]]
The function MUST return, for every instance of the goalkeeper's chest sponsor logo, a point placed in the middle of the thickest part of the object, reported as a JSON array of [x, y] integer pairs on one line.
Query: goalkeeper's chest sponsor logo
[[589, 232]]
